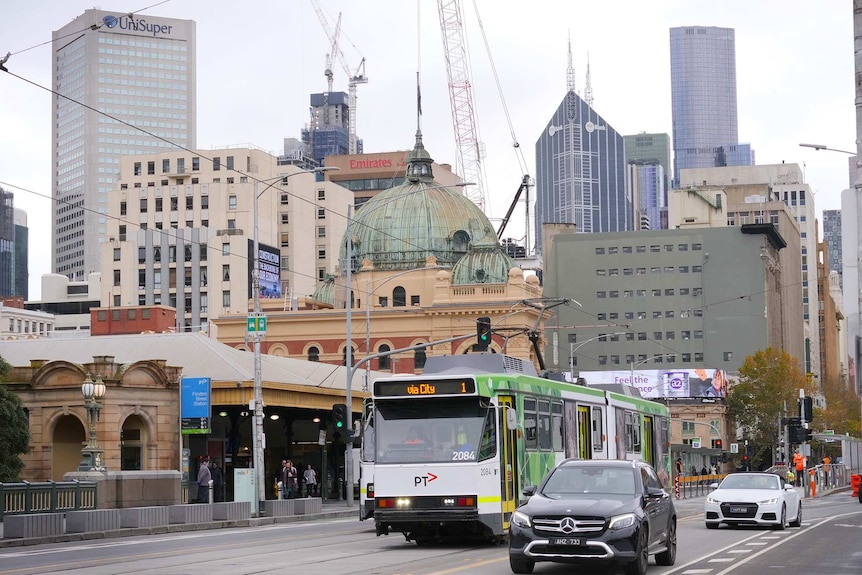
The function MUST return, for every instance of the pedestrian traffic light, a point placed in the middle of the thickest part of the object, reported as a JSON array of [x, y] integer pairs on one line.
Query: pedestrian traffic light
[[339, 415], [718, 444], [724, 457], [483, 333]]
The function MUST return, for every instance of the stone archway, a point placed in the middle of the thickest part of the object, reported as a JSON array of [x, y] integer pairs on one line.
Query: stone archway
[[68, 440], [134, 438]]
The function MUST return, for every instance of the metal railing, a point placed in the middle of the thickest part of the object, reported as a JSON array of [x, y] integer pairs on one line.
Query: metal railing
[[46, 497], [686, 486]]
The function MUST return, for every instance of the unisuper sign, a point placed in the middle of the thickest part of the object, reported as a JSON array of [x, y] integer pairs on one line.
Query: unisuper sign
[[136, 25]]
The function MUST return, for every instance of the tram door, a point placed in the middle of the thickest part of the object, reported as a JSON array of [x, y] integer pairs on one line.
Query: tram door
[[585, 440], [508, 461], [648, 443]]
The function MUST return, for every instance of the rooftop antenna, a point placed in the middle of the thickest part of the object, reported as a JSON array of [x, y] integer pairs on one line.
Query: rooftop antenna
[[588, 90], [570, 69]]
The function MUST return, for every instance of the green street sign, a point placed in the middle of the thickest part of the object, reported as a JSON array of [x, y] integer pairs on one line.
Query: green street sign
[[256, 324]]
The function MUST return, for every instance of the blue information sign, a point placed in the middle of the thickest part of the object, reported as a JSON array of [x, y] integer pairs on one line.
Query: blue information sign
[[195, 397]]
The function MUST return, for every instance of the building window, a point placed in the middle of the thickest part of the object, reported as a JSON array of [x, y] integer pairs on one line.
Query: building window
[[612, 250], [216, 164], [685, 334], [116, 277], [630, 336], [669, 335], [231, 202], [630, 359], [601, 294], [696, 247], [383, 360], [205, 202], [166, 166], [696, 269], [668, 247], [151, 168], [601, 272], [728, 356], [686, 357], [225, 272], [225, 249], [383, 300], [123, 208], [641, 271], [142, 255], [419, 359], [321, 213], [231, 224], [399, 297], [116, 254], [603, 360], [190, 202], [321, 253], [642, 336], [225, 299], [668, 292], [698, 334], [656, 335], [285, 240], [698, 357], [321, 232], [640, 249], [614, 272], [285, 218], [230, 162], [655, 248], [137, 169], [143, 205], [321, 194], [414, 300], [313, 354], [600, 251]]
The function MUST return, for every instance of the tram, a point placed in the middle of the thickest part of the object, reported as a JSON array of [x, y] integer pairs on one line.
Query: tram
[[446, 454]]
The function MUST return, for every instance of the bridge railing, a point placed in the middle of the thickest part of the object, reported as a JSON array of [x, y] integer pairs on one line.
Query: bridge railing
[[46, 497]]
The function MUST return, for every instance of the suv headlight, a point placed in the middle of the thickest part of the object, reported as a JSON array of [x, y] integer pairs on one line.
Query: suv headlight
[[622, 521], [520, 519]]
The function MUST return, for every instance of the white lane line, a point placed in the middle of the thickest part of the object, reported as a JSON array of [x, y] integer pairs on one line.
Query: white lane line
[[696, 571], [756, 543], [740, 551], [722, 560]]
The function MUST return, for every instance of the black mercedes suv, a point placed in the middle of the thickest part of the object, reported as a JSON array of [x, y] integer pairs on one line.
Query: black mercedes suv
[[595, 511]]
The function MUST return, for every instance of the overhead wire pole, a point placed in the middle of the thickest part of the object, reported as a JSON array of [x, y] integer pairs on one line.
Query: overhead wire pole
[[348, 362]]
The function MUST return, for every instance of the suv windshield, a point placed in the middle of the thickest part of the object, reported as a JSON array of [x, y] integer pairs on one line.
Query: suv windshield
[[577, 480]]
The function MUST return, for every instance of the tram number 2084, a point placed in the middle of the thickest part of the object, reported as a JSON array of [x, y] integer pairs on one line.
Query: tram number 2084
[[464, 455]]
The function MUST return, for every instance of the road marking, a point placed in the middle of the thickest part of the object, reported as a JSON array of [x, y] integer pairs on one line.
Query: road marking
[[740, 551], [695, 571], [757, 543], [721, 560]]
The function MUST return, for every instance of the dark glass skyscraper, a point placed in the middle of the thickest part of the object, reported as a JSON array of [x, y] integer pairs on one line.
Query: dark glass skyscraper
[[581, 172], [703, 99]]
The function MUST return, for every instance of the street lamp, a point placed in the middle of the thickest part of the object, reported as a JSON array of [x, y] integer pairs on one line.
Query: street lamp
[[818, 147], [573, 348], [93, 393], [257, 431]]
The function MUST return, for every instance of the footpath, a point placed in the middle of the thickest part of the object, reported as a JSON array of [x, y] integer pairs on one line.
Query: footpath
[[332, 509]]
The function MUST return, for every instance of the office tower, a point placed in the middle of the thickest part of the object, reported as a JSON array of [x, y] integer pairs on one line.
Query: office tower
[[13, 248], [703, 99], [581, 170], [647, 179], [328, 133], [832, 237], [656, 147], [137, 71]]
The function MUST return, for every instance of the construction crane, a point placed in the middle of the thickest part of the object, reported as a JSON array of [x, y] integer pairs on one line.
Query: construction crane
[[353, 79], [469, 156], [328, 70]]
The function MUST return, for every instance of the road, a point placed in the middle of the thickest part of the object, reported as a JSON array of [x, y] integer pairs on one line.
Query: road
[[830, 541]]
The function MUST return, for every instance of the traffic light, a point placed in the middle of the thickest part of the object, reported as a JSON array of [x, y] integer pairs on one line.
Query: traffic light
[[717, 444], [806, 409], [746, 463], [339, 416], [483, 333], [724, 457]]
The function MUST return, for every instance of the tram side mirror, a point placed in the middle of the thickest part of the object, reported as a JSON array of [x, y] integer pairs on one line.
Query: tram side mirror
[[511, 419]]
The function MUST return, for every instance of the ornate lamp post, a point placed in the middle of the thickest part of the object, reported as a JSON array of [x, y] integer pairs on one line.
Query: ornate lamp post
[[93, 393]]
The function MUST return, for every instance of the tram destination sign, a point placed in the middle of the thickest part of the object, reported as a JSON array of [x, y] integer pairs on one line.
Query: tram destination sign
[[425, 387]]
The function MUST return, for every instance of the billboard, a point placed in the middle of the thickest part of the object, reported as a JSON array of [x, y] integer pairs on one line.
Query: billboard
[[656, 383], [269, 269]]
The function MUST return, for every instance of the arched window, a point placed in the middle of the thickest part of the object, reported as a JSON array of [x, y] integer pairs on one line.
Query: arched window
[[399, 297], [460, 241], [344, 355], [419, 359], [313, 354], [384, 361]]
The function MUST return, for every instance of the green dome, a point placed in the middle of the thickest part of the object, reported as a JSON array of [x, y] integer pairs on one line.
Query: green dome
[[325, 291], [401, 227], [486, 264]]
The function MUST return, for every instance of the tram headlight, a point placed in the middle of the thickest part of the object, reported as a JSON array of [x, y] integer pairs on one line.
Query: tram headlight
[[403, 503], [520, 519]]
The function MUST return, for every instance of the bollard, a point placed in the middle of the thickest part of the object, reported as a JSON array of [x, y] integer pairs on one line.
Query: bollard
[[813, 483], [210, 490]]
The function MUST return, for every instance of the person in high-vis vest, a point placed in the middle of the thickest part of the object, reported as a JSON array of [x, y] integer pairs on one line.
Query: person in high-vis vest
[[799, 464]]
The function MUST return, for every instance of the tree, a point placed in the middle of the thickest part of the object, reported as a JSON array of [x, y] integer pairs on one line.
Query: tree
[[769, 381], [14, 432], [842, 409]]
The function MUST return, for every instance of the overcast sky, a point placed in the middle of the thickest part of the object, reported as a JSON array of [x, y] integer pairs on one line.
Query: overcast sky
[[258, 61]]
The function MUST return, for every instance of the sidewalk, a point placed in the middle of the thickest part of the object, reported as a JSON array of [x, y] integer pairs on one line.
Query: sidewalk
[[332, 509]]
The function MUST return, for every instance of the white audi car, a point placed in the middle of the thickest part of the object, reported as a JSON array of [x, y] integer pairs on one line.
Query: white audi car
[[753, 499]]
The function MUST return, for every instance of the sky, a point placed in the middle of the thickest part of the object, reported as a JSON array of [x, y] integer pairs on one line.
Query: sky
[[258, 61]]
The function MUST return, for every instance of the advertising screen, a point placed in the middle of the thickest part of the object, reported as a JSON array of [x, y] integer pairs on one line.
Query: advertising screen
[[269, 269], [655, 383]]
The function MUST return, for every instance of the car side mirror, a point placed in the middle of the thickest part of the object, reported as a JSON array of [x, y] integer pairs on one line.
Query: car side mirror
[[713, 485], [529, 490], [788, 487], [654, 492]]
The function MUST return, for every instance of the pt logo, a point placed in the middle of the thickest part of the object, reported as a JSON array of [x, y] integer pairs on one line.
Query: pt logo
[[423, 480]]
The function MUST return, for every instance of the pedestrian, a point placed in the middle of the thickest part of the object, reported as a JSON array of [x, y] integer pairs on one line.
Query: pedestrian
[[204, 480], [799, 464], [827, 467], [310, 478], [289, 478], [703, 470], [679, 466], [218, 481]]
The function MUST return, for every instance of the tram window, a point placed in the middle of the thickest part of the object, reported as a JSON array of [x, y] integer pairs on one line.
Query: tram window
[[530, 438], [598, 430], [488, 447], [636, 432], [557, 426], [544, 424], [629, 434]]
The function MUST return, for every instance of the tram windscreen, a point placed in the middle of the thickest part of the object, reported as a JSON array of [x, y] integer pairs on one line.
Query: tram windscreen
[[434, 430]]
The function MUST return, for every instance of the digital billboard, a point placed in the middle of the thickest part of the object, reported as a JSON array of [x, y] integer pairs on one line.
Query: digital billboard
[[269, 268], [655, 383]]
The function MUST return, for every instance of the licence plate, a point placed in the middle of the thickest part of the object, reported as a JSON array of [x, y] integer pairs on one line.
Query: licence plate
[[739, 509], [566, 541]]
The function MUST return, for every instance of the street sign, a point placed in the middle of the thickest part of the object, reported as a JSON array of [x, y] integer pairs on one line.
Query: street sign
[[828, 432], [734, 448], [695, 443], [256, 323]]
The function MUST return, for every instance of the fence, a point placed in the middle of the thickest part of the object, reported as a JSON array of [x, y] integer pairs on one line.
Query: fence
[[46, 497], [695, 485]]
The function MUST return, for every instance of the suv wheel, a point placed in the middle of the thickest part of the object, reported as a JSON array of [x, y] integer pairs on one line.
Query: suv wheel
[[521, 565], [639, 565], [668, 557]]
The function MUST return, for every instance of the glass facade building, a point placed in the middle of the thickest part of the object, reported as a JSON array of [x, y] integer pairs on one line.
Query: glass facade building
[[131, 72], [832, 237], [703, 100], [581, 172]]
